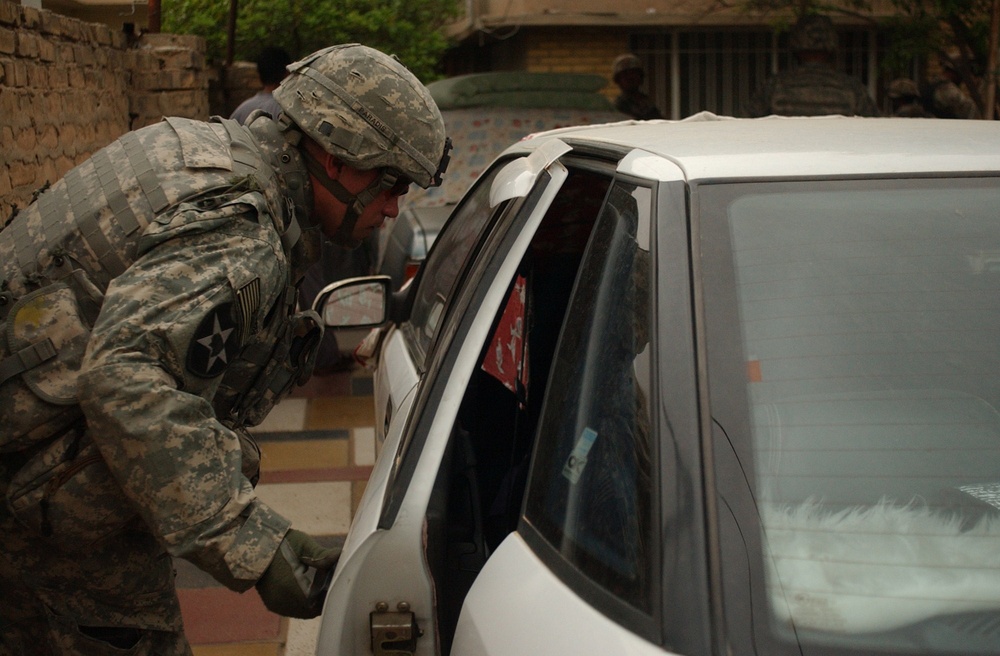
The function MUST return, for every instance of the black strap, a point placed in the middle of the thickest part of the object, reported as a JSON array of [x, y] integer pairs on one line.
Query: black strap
[[27, 358]]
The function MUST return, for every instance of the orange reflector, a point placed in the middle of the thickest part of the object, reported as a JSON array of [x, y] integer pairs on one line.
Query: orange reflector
[[753, 371]]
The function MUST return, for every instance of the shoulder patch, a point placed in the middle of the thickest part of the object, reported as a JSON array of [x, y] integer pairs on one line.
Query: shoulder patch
[[214, 344]]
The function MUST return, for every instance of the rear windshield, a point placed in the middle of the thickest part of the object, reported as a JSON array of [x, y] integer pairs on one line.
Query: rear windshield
[[869, 322]]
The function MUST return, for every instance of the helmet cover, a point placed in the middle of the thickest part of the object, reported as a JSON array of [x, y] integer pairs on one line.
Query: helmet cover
[[624, 63], [813, 32], [365, 108], [903, 88]]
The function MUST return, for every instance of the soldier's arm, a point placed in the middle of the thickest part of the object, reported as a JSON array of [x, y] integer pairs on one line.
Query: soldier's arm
[[166, 330]]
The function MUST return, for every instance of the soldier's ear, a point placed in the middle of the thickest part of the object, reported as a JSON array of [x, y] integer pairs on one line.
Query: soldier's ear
[[332, 166]]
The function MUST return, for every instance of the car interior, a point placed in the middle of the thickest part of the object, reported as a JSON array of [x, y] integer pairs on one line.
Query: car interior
[[477, 497]]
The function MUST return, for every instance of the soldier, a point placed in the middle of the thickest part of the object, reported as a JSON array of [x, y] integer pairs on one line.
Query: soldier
[[944, 97], [628, 74], [148, 318], [813, 87], [906, 101]]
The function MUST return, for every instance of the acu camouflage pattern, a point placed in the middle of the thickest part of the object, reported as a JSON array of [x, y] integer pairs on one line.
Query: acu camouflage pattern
[[365, 108], [813, 32], [812, 89], [945, 99], [153, 234]]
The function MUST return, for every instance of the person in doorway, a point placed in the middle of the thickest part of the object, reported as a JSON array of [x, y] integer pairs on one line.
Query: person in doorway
[[628, 74], [272, 67], [813, 87], [148, 301]]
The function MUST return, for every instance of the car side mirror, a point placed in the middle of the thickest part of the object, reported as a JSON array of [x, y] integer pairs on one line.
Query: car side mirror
[[355, 302]]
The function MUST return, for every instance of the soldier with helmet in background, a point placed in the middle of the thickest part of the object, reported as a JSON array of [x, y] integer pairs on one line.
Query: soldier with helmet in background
[[148, 318], [628, 74], [943, 96], [813, 87], [904, 94]]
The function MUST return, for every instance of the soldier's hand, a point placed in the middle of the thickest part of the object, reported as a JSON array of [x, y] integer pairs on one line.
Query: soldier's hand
[[294, 584]]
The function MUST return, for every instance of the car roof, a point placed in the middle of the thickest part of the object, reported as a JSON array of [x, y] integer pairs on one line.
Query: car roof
[[709, 147]]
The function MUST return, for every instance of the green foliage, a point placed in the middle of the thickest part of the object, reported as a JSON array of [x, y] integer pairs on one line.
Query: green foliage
[[918, 30], [410, 29], [926, 28]]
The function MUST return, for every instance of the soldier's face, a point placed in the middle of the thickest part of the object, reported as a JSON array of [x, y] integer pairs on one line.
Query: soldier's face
[[384, 206], [330, 211]]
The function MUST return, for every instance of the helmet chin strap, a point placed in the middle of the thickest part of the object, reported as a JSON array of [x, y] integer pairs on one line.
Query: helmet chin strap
[[355, 203]]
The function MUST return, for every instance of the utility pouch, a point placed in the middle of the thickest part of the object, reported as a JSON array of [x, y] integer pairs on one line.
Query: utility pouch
[[66, 493], [43, 341], [291, 362]]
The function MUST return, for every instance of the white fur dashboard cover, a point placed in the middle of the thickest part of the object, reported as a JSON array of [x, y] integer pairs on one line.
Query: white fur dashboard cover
[[878, 568]]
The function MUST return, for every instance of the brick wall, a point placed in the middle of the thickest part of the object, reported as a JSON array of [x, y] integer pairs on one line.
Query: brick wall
[[583, 50], [68, 88]]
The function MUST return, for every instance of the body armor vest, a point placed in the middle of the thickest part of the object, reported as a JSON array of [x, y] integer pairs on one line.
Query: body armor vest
[[813, 91], [58, 255]]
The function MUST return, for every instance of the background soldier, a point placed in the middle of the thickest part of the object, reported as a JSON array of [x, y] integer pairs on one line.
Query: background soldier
[[148, 317], [628, 74], [813, 87], [906, 101], [944, 97]]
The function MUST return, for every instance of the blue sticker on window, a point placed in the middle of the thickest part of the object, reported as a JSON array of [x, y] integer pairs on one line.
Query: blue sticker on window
[[577, 460]]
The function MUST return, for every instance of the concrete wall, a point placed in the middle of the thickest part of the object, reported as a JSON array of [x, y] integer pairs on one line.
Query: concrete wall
[[68, 88]]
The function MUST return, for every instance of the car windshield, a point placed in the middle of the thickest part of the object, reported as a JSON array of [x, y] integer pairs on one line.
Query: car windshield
[[869, 315]]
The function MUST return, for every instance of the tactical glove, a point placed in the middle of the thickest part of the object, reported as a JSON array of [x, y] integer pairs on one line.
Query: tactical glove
[[295, 582]]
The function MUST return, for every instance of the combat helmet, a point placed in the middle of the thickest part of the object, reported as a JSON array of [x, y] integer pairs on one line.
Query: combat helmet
[[903, 87], [365, 108], [626, 62], [813, 33]]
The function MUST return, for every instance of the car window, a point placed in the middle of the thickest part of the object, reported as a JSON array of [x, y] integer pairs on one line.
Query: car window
[[446, 261], [591, 483], [868, 316]]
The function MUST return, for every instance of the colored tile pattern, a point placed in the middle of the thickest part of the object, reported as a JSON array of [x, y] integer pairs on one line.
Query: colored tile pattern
[[317, 451]]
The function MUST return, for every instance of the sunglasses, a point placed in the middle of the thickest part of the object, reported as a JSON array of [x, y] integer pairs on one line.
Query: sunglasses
[[394, 182]]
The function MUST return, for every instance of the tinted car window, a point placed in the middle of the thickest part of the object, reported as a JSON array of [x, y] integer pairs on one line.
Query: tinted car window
[[445, 263], [591, 482], [869, 317]]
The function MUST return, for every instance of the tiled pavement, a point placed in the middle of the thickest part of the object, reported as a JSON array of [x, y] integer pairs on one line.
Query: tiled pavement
[[317, 450]]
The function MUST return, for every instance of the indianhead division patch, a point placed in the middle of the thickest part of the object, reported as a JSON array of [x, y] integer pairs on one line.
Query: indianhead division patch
[[214, 344]]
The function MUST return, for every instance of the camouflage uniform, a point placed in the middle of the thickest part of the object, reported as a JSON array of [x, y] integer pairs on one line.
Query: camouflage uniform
[[147, 317], [177, 243], [946, 100], [812, 89], [906, 101]]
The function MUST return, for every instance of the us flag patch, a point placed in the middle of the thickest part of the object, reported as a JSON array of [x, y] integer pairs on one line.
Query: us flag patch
[[247, 302]]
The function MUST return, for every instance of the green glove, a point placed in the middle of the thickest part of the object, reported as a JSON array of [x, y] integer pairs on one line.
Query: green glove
[[294, 584]]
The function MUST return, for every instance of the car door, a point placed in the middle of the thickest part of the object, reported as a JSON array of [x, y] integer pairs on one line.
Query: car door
[[386, 593], [580, 574]]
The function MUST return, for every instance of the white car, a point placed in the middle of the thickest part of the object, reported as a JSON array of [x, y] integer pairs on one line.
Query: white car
[[714, 386]]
